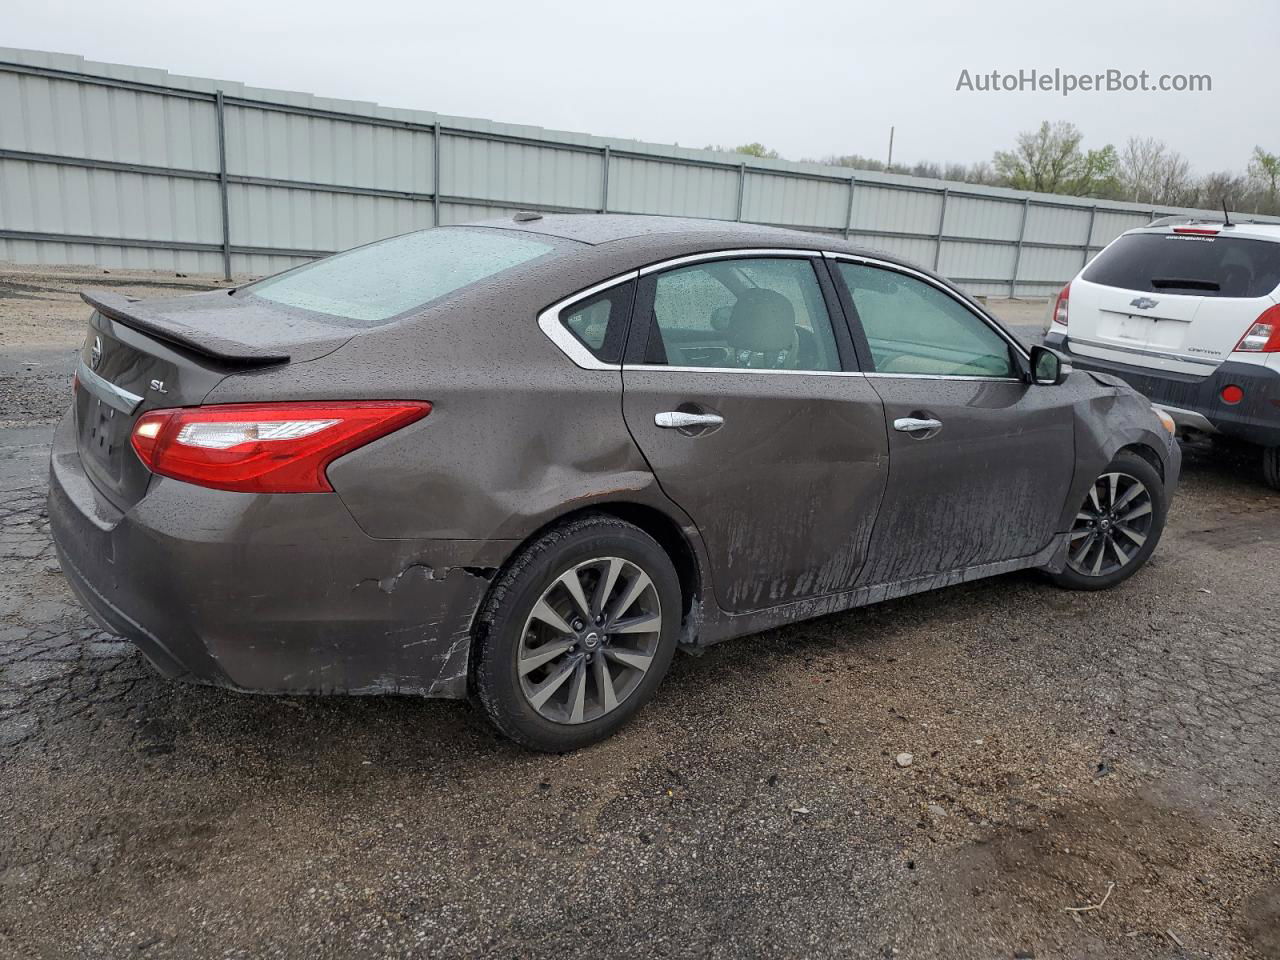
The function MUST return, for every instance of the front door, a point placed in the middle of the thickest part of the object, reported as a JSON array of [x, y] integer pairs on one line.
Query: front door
[[739, 392], [980, 460]]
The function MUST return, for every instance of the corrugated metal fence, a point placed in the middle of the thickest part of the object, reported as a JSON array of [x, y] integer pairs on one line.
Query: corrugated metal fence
[[134, 167]]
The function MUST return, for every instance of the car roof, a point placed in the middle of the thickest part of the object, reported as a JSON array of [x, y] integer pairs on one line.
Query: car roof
[[646, 236], [596, 229]]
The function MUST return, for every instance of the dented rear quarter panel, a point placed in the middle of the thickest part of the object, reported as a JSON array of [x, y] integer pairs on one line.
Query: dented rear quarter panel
[[375, 588]]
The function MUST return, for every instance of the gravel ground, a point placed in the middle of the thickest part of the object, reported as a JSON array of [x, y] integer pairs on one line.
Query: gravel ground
[[1064, 745]]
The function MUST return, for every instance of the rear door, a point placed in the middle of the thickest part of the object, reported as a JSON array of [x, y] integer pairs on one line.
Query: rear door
[[742, 395], [1175, 299], [980, 461]]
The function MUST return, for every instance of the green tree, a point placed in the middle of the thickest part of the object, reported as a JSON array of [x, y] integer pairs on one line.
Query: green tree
[[1046, 160], [1098, 174], [1265, 169], [750, 149]]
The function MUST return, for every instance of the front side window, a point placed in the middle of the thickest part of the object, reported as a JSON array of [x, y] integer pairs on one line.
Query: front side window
[[915, 328], [758, 314], [372, 284]]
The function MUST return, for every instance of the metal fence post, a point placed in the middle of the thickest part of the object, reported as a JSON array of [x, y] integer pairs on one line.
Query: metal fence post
[[742, 187], [848, 213], [220, 110], [435, 174], [1088, 237], [1017, 251], [942, 219], [604, 181]]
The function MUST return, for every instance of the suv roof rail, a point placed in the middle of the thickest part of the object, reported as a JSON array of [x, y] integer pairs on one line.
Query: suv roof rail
[[1187, 218]]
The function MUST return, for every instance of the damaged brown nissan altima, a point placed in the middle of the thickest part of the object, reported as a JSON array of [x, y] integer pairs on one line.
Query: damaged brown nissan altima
[[526, 460]]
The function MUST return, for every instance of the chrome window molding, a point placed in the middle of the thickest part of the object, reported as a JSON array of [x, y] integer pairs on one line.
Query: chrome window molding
[[666, 368], [941, 376], [899, 268], [728, 255], [550, 323], [117, 398], [555, 330]]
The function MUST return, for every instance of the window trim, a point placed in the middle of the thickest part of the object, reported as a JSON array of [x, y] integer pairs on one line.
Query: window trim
[[551, 325]]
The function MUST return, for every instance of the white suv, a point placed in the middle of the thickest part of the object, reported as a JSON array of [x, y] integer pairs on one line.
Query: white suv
[[1188, 313]]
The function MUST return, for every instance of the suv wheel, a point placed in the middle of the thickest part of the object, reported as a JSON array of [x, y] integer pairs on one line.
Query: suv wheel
[[576, 634], [1117, 527], [1271, 467]]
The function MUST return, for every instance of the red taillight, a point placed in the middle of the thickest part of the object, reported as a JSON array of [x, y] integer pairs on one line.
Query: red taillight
[[1264, 335], [1231, 394], [264, 447], [1060, 308], [1198, 231]]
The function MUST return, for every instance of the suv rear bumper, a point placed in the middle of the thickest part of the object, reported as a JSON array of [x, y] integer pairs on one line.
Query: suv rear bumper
[[1196, 403]]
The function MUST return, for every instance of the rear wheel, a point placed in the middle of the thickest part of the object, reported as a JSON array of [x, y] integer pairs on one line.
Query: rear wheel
[[576, 634], [1271, 467], [1117, 527]]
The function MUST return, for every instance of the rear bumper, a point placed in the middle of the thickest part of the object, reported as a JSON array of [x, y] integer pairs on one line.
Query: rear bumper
[[268, 593], [1195, 402]]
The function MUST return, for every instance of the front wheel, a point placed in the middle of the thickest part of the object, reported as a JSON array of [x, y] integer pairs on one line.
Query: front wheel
[[1117, 527], [576, 634]]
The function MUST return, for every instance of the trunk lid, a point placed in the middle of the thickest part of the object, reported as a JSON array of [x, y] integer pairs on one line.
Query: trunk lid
[[145, 355], [1172, 332], [1171, 301]]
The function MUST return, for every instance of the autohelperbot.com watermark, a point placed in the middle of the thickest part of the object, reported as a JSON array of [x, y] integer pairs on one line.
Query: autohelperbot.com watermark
[[1065, 82]]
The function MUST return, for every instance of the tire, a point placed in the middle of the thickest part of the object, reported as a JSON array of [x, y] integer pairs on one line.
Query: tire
[[559, 700], [1115, 533], [1271, 467]]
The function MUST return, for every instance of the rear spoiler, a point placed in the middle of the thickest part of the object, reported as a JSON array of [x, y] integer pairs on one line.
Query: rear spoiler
[[123, 310]]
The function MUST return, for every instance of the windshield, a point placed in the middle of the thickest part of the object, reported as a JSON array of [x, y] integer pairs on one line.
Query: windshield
[[374, 283], [1189, 264]]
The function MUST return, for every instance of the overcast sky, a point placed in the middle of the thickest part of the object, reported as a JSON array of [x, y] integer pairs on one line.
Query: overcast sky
[[808, 79]]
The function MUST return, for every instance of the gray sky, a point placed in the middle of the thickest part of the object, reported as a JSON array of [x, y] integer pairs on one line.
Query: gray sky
[[807, 79]]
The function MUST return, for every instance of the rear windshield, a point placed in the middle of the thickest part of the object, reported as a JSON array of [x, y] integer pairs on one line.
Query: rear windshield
[[373, 284], [1187, 264]]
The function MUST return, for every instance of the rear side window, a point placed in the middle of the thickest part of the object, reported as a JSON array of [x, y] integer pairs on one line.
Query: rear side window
[[375, 283], [1188, 264], [600, 322], [766, 314]]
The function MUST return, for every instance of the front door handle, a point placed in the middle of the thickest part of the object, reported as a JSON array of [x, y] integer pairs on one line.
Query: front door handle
[[679, 420], [915, 425]]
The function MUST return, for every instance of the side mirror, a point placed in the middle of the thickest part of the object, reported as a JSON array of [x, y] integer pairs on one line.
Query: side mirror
[[1048, 367]]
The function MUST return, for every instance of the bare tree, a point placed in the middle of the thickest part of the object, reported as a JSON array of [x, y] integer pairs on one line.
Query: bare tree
[[1152, 173], [1224, 187]]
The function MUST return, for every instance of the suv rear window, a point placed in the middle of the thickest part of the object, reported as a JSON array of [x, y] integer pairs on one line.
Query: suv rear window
[[375, 283], [1189, 264]]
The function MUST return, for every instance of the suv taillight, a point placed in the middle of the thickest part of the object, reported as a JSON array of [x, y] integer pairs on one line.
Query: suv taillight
[[1264, 335], [1060, 308], [264, 447]]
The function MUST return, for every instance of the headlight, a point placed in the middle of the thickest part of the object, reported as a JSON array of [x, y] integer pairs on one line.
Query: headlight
[[1166, 420]]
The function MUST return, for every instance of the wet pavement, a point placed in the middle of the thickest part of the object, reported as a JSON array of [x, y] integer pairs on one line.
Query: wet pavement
[[1064, 745]]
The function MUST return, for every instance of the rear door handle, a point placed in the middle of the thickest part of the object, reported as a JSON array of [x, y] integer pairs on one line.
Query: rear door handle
[[679, 420], [914, 425]]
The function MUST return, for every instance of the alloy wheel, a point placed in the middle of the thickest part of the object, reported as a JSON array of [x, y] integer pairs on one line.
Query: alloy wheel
[[1111, 526], [589, 640]]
